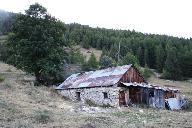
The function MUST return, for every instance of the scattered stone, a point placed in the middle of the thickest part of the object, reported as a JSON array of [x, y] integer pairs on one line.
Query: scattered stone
[[88, 109], [141, 110]]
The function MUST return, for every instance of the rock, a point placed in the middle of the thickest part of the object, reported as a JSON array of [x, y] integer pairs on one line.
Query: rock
[[141, 110], [89, 109]]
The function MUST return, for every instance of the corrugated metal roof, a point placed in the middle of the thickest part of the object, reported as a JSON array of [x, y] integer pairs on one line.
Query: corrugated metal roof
[[145, 85], [105, 77]]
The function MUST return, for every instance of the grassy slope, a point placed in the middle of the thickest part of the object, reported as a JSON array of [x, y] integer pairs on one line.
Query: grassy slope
[[87, 52], [184, 86], [23, 105]]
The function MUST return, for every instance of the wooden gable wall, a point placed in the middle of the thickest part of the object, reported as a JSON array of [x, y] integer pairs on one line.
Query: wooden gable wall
[[132, 75]]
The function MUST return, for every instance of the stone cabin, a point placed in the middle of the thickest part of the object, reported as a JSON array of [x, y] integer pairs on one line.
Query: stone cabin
[[114, 86]]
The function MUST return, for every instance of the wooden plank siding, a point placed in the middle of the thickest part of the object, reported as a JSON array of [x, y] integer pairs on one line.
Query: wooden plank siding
[[132, 75]]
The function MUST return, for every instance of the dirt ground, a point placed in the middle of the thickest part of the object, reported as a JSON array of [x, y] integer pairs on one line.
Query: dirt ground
[[23, 105]]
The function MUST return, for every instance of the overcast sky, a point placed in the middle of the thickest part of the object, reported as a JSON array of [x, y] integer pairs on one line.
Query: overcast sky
[[170, 17]]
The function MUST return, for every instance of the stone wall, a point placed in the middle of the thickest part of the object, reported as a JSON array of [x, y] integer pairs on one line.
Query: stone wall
[[94, 94]]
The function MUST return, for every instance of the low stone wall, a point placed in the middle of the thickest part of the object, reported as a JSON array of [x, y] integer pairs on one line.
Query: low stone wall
[[94, 94]]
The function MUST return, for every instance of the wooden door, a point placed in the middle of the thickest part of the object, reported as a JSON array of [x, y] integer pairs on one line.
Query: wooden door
[[122, 98]]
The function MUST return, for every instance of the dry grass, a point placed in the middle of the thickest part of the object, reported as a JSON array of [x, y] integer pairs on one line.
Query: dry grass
[[24, 105], [87, 52], [184, 86]]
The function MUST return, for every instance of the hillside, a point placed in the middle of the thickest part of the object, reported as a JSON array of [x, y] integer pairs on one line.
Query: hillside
[[24, 105], [160, 52], [87, 52]]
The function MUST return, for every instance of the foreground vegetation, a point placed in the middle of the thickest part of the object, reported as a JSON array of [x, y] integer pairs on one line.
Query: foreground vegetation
[[24, 105]]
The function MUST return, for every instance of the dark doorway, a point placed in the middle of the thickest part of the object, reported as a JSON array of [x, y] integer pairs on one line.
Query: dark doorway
[[135, 95], [78, 96], [122, 98]]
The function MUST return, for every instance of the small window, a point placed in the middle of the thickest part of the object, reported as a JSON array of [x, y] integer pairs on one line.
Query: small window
[[78, 96], [105, 95]]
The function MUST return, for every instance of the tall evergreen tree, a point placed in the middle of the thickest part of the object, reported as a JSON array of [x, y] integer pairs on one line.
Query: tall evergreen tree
[[186, 64], [106, 61], [160, 57], [146, 57], [140, 56], [91, 64], [172, 68], [130, 59], [85, 42]]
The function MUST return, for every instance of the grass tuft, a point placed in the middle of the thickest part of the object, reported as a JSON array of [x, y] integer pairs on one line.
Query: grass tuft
[[2, 78], [189, 106], [43, 116], [9, 70], [90, 103], [93, 104]]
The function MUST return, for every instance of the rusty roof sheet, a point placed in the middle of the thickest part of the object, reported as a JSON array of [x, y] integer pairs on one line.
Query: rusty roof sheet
[[104, 77], [145, 85]]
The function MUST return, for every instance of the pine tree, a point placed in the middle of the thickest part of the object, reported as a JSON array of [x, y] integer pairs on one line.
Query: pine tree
[[140, 56], [160, 57], [172, 68], [106, 61], [186, 64], [91, 64], [85, 42], [146, 57], [75, 56], [130, 59]]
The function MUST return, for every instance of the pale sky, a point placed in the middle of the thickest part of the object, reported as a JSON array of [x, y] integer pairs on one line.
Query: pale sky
[[170, 17]]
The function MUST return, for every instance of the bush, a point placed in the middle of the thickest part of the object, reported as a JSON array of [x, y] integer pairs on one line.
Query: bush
[[106, 61], [170, 76], [90, 103], [189, 106], [146, 72], [129, 59], [66, 98], [91, 64], [2, 78], [106, 105], [93, 104], [42, 116]]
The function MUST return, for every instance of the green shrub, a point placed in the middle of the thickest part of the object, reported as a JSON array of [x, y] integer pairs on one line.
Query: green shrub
[[146, 72], [189, 106], [66, 98], [106, 61], [42, 116], [93, 104], [91, 64], [105, 105], [9, 70], [2, 78], [90, 103]]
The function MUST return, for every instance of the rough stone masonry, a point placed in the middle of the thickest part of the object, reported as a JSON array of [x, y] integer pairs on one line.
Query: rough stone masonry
[[99, 95]]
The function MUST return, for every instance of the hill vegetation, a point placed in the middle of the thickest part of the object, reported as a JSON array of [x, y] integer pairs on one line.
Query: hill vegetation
[[169, 55]]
